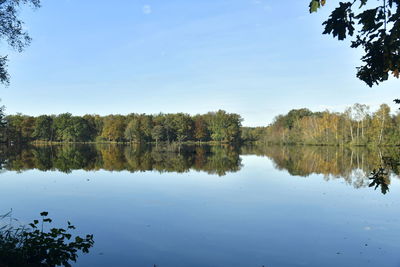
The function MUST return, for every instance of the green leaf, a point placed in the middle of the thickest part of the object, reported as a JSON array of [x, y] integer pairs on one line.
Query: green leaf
[[314, 5]]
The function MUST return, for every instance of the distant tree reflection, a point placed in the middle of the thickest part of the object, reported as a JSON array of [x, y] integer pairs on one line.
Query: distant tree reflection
[[134, 158], [357, 166]]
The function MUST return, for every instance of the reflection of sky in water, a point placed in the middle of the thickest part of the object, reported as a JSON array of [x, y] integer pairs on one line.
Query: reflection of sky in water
[[257, 216]]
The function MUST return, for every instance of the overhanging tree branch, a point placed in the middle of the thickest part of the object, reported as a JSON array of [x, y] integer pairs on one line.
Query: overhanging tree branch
[[379, 35], [12, 30]]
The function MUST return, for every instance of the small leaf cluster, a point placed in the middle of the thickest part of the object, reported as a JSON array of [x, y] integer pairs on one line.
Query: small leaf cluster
[[380, 179], [378, 35], [32, 246]]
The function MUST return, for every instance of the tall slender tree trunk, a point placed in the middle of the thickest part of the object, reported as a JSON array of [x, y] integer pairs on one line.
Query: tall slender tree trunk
[[351, 132], [362, 129], [381, 131]]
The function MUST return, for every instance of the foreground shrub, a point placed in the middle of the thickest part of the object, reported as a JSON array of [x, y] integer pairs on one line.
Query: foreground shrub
[[31, 246]]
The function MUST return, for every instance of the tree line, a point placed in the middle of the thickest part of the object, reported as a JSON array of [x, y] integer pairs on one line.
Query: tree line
[[357, 125], [217, 126]]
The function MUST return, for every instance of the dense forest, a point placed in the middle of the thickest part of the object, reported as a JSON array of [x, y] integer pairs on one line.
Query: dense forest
[[355, 126], [217, 126]]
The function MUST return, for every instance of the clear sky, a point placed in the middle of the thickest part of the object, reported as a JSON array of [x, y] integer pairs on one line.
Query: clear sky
[[258, 58]]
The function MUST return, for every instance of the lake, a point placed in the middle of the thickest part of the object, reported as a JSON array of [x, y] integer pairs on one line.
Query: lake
[[213, 205]]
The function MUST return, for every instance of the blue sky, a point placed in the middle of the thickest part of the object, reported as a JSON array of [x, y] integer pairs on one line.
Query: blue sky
[[258, 58]]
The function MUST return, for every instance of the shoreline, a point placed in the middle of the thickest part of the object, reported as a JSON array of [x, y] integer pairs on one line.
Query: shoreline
[[196, 143]]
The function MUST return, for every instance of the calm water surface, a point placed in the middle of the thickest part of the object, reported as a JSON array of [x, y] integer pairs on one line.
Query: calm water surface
[[212, 206]]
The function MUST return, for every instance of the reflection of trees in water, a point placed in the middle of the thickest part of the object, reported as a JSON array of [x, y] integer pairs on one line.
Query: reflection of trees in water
[[354, 165], [63, 158], [211, 159]]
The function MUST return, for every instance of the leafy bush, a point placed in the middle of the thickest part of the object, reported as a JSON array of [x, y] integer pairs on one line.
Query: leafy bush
[[31, 246]]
